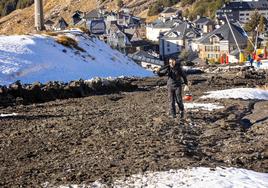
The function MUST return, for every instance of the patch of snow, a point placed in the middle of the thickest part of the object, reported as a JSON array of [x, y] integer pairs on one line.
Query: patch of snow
[[238, 93], [8, 115], [192, 178], [203, 106], [32, 58]]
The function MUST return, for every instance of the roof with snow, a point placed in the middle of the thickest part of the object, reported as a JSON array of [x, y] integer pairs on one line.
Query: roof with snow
[[146, 57], [182, 30], [165, 24]]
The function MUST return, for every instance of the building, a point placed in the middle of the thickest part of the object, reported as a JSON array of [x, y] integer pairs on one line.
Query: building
[[170, 12], [126, 40], [77, 17], [49, 25], [146, 60], [221, 42], [95, 14], [61, 24], [205, 24], [159, 26], [242, 10], [178, 38]]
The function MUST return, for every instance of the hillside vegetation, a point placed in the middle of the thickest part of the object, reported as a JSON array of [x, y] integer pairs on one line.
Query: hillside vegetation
[[201, 7], [7, 6]]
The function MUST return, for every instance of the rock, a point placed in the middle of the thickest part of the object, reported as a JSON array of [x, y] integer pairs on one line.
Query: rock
[[3, 90], [245, 123]]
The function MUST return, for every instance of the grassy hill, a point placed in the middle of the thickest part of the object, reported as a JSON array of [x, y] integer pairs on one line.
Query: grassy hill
[[22, 20]]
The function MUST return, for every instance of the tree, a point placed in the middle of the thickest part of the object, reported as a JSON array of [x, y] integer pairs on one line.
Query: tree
[[256, 23], [253, 23], [7, 6], [262, 24], [249, 49], [154, 9], [120, 3]]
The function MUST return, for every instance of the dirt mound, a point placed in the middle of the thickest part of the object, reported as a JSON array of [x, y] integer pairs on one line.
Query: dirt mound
[[240, 77]]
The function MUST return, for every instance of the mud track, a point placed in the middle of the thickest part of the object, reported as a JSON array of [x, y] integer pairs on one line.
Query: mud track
[[82, 140]]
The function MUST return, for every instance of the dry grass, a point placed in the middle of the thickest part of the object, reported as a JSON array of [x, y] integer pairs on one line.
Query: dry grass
[[84, 29], [148, 19], [22, 21], [263, 87], [66, 41], [50, 33]]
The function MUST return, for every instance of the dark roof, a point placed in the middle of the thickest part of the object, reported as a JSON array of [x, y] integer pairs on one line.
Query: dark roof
[[167, 24], [146, 57], [93, 14], [61, 23], [224, 33], [169, 10], [203, 20], [179, 31], [78, 12], [49, 22], [250, 5], [138, 43], [182, 30]]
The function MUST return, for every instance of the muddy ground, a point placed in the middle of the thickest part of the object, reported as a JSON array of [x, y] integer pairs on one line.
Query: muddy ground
[[79, 141]]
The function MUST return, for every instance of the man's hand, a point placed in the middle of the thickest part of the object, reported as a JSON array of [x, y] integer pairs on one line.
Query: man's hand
[[156, 70], [186, 88]]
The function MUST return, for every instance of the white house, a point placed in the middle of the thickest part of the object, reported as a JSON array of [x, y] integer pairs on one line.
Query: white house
[[154, 29], [178, 38]]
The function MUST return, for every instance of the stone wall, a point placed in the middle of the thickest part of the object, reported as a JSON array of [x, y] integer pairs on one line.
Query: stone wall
[[18, 93]]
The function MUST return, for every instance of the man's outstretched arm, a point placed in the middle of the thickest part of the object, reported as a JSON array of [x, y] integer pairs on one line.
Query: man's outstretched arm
[[163, 71]]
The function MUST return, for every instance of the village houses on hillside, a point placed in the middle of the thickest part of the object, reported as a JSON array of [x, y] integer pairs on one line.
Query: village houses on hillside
[[204, 39]]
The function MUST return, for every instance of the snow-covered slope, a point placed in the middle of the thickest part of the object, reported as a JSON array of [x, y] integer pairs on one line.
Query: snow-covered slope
[[31, 58]]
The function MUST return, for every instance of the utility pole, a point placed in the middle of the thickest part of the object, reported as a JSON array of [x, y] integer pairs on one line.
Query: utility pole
[[232, 33], [39, 15]]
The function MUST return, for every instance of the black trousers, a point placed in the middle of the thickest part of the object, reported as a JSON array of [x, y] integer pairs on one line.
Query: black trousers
[[174, 95]]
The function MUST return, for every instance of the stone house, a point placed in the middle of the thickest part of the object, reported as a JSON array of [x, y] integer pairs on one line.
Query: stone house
[[221, 42], [205, 24]]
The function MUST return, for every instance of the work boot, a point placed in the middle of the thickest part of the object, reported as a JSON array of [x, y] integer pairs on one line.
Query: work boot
[[181, 114]]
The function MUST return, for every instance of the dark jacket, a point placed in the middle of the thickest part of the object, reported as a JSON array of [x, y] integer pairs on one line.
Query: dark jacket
[[175, 75]]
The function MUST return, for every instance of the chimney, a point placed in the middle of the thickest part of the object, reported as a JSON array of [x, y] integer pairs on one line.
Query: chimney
[[39, 15]]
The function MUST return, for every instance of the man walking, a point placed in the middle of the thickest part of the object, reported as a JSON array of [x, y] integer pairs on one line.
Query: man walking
[[174, 84]]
